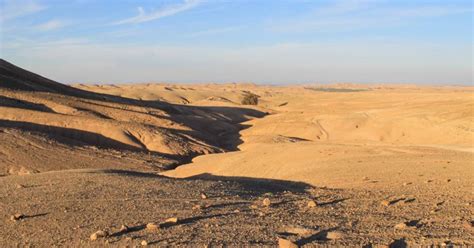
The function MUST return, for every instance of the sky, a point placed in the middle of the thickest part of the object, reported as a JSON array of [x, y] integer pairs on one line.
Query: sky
[[260, 41]]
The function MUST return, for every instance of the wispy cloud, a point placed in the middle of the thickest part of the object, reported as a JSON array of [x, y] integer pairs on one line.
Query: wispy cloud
[[17, 8], [169, 10], [51, 25]]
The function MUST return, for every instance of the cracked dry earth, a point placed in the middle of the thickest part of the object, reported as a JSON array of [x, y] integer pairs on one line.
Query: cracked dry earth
[[64, 208]]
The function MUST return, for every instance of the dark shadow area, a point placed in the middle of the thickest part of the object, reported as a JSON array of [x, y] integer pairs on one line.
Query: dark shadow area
[[332, 202], [129, 173], [69, 136], [16, 103], [258, 185], [414, 223], [395, 201], [128, 230], [94, 113], [399, 243], [34, 215], [319, 236]]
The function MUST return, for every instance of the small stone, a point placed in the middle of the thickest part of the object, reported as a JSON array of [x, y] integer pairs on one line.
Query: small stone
[[16, 217], [98, 234], [385, 203], [169, 222], [197, 207], [19, 186], [124, 228], [173, 220], [285, 243], [203, 196], [312, 204], [236, 211], [253, 206], [144, 243], [401, 226], [152, 226], [266, 202], [334, 235]]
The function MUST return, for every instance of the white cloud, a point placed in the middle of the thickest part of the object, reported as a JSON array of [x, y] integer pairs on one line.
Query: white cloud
[[160, 13], [12, 9], [51, 25]]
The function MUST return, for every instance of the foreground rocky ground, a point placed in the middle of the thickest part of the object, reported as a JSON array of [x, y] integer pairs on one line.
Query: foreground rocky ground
[[64, 208]]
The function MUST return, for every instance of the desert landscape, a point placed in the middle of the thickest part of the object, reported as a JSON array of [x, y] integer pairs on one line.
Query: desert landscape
[[201, 165]]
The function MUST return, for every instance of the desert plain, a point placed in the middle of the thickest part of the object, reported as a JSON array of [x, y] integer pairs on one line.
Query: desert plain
[[159, 164]]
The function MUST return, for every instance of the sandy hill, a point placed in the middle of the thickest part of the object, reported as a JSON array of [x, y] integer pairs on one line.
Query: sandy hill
[[38, 111]]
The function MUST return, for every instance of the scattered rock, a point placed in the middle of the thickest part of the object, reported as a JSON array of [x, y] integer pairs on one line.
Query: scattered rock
[[152, 226], [19, 186], [197, 207], [144, 243], [173, 220], [285, 243], [203, 196], [16, 217], [99, 234], [253, 206], [124, 228], [169, 222], [266, 202], [401, 226], [385, 203], [312, 204], [334, 235]]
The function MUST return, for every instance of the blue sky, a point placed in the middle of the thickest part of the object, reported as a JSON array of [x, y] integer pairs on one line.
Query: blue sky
[[274, 41]]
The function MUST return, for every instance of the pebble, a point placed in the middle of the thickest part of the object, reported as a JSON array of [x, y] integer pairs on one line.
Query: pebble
[[124, 228], [203, 196], [144, 243], [16, 217], [385, 203], [266, 202], [169, 222], [285, 243], [98, 234], [152, 226], [334, 235], [173, 220], [312, 204], [401, 226]]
